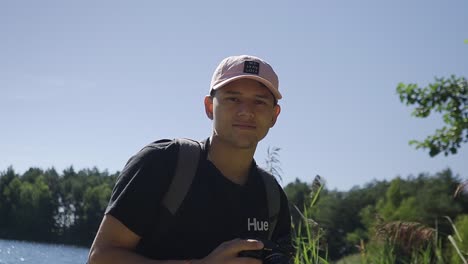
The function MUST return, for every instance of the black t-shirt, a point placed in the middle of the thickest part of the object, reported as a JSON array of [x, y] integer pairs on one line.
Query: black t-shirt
[[214, 210]]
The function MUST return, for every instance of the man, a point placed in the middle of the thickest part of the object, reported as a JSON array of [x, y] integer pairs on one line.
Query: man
[[225, 210]]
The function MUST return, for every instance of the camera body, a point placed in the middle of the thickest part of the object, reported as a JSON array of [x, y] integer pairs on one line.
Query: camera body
[[271, 253]]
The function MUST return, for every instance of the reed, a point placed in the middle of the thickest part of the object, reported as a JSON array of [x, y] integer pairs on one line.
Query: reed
[[308, 240]]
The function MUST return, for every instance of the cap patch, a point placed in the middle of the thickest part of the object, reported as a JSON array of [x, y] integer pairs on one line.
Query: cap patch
[[252, 67]]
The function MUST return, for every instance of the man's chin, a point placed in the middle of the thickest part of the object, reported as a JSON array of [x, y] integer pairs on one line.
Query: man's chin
[[246, 143], [246, 146]]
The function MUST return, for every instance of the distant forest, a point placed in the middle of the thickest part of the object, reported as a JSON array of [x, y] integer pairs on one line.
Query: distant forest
[[43, 205]]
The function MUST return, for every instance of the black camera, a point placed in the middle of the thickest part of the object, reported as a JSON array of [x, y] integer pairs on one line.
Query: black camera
[[271, 253]]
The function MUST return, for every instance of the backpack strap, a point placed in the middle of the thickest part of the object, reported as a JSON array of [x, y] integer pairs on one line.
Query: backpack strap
[[273, 200], [185, 170]]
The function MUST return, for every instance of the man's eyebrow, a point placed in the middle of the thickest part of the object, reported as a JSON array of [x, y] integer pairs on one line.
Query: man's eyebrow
[[263, 96]]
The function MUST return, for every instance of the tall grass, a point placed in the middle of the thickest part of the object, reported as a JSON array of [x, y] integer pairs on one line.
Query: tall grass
[[397, 242], [411, 243], [308, 240], [463, 254], [393, 242]]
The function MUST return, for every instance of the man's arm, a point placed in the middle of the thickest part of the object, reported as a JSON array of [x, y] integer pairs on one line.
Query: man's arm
[[115, 244]]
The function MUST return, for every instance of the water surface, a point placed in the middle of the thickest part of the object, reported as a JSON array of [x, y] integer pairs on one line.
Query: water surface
[[20, 252]]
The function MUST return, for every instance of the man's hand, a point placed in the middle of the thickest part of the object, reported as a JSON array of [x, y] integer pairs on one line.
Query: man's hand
[[227, 252]]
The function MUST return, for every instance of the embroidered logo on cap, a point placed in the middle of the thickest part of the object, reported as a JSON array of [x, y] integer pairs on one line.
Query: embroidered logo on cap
[[252, 67]]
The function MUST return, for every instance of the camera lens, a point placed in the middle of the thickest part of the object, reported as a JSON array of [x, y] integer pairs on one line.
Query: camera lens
[[276, 258]]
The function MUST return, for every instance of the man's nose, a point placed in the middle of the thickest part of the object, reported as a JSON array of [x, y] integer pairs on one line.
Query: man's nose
[[246, 110]]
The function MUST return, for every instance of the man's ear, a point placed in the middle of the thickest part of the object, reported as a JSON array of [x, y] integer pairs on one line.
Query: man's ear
[[209, 106], [276, 112]]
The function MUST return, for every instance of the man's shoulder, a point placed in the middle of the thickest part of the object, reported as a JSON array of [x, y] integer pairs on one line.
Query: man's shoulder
[[161, 144], [167, 144], [266, 175], [157, 150], [165, 147]]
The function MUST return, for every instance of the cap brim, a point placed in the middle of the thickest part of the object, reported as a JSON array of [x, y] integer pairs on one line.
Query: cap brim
[[270, 87]]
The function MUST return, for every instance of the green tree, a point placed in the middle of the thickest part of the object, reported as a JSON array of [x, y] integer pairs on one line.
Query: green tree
[[31, 214], [448, 97], [424, 199], [5, 199], [45, 206], [392, 200], [11, 198], [297, 193], [95, 203], [36, 210], [78, 214], [328, 214]]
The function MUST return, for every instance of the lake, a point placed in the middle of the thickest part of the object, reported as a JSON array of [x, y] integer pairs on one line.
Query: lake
[[19, 252]]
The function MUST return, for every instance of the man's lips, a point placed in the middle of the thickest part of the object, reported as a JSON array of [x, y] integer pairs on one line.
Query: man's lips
[[244, 126]]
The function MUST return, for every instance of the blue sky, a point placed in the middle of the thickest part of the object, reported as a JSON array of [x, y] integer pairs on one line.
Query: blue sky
[[88, 83]]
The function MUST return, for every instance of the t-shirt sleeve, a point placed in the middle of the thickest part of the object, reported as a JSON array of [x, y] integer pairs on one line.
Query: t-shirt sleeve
[[136, 197]]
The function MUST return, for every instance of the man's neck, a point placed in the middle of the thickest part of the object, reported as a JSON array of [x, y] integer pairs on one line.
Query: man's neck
[[233, 162]]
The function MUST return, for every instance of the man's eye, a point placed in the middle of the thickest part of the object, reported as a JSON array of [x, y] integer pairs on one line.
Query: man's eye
[[233, 99], [260, 102]]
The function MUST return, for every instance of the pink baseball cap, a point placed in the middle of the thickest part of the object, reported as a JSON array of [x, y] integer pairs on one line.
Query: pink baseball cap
[[245, 66]]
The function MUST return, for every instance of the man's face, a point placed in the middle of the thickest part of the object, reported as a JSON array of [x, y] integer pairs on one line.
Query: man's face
[[242, 112]]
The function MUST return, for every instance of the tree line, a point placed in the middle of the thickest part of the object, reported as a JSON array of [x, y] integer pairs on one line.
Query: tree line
[[350, 219], [43, 205]]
